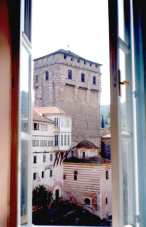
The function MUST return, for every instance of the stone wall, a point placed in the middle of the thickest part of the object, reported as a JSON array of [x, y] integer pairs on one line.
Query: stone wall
[[80, 100]]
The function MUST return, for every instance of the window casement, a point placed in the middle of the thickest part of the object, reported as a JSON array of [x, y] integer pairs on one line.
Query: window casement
[[82, 77], [69, 74]]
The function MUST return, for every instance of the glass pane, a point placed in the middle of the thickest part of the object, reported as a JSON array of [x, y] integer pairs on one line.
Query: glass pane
[[126, 141], [24, 132], [24, 181], [121, 19], [74, 50], [24, 87]]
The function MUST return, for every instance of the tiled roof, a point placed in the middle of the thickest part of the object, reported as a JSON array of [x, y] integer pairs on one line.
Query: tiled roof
[[86, 144], [38, 117], [49, 110]]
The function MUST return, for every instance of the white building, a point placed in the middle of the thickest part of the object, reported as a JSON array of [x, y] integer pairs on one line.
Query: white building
[[49, 127]]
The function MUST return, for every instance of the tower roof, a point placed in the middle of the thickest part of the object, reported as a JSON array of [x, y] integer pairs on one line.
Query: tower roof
[[68, 53]]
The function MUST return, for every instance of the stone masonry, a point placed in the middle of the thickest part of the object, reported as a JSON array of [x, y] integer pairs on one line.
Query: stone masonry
[[72, 83]]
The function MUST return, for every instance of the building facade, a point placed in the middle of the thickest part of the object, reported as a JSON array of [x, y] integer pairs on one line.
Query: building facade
[[46, 146], [87, 180], [68, 81]]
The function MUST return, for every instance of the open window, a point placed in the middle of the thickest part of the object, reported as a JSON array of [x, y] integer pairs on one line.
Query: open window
[[127, 65]]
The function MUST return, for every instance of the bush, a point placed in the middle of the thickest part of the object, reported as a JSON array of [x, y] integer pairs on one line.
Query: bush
[[41, 197]]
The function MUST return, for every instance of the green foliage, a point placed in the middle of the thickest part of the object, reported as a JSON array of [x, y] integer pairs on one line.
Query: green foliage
[[41, 197]]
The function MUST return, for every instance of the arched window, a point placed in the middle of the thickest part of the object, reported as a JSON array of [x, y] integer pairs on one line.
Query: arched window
[[87, 201]]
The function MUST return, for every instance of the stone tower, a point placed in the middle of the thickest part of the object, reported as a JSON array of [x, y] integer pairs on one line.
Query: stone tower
[[73, 83]]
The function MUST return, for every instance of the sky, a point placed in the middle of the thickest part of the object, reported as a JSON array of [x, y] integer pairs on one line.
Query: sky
[[80, 26]]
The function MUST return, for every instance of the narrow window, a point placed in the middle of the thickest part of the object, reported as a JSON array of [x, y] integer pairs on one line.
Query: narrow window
[[84, 155], [44, 158], [64, 177], [94, 80], [51, 157], [43, 174], [35, 159], [75, 175], [106, 200], [56, 140], [51, 173], [87, 201], [68, 140], [61, 140], [46, 75], [70, 74], [36, 126], [107, 175], [34, 176], [36, 78], [64, 140], [65, 56], [82, 77]]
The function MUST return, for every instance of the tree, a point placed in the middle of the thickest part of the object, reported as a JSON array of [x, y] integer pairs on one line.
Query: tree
[[41, 197]]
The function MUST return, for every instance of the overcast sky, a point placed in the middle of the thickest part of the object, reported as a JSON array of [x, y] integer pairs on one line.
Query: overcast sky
[[80, 26]]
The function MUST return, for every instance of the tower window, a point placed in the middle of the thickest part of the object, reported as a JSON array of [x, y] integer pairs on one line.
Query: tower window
[[70, 74], [35, 159], [82, 77], [46, 75], [94, 80], [106, 200], [51, 173]]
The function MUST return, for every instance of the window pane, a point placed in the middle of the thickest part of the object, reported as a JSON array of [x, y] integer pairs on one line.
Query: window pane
[[24, 181]]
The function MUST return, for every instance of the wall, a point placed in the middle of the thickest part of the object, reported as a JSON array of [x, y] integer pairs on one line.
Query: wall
[[5, 80], [91, 183], [78, 100]]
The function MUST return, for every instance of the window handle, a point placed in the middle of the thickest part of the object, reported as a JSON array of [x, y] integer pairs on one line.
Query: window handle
[[124, 82]]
